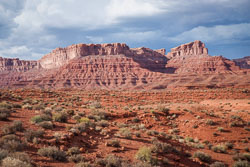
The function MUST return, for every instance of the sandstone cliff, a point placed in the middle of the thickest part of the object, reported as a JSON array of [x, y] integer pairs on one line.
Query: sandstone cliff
[[116, 66], [7, 64], [243, 63], [193, 57]]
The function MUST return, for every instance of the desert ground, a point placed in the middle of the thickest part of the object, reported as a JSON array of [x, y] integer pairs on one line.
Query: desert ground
[[197, 127]]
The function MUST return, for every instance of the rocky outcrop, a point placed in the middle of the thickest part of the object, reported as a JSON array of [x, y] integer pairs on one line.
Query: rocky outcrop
[[116, 66], [193, 57], [16, 65], [196, 48], [243, 63], [61, 56]]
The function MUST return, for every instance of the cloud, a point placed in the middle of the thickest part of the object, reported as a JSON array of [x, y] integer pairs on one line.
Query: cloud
[[218, 34], [42, 25]]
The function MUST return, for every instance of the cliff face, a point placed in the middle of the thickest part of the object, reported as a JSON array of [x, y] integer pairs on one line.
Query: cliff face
[[61, 56], [194, 58], [16, 65], [116, 66], [192, 49], [243, 63]]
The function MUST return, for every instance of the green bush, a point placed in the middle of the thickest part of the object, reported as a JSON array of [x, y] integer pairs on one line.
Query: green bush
[[53, 153], [202, 156], [41, 118], [144, 154]]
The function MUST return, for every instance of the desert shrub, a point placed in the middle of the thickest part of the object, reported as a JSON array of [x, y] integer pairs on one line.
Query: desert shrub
[[160, 147], [152, 132], [41, 118], [46, 125], [113, 143], [47, 111], [3, 154], [53, 153], [21, 156], [76, 158], [221, 129], [95, 105], [242, 157], [163, 110], [11, 162], [112, 161], [76, 117], [221, 148], [83, 164], [241, 164], [98, 115], [217, 164], [60, 117], [31, 134], [73, 151], [103, 123], [202, 156], [137, 134], [125, 132], [79, 128], [210, 122], [84, 120], [27, 106], [144, 154], [12, 128], [136, 120], [39, 107], [4, 114], [11, 143], [5, 105]]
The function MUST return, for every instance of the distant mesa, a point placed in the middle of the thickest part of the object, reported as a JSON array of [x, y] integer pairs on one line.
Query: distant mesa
[[116, 66]]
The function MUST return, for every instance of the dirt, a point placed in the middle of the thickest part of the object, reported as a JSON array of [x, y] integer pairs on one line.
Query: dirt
[[190, 112]]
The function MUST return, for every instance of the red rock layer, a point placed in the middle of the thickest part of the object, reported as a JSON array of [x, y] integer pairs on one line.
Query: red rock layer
[[16, 65], [194, 58], [243, 63]]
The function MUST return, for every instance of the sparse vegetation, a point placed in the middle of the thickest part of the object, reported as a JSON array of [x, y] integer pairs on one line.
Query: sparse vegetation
[[53, 153]]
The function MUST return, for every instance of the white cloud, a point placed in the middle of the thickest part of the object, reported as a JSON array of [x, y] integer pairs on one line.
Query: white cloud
[[218, 34], [133, 8], [18, 51], [136, 36]]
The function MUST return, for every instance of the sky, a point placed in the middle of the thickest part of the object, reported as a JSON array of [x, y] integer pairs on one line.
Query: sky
[[31, 28]]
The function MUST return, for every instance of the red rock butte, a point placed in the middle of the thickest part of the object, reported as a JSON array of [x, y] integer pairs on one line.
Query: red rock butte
[[116, 66]]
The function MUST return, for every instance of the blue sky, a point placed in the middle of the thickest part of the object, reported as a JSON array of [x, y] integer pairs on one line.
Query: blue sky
[[31, 28]]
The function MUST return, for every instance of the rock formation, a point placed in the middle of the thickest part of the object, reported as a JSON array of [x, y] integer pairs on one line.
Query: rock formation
[[243, 63], [7, 64], [193, 57], [116, 66]]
